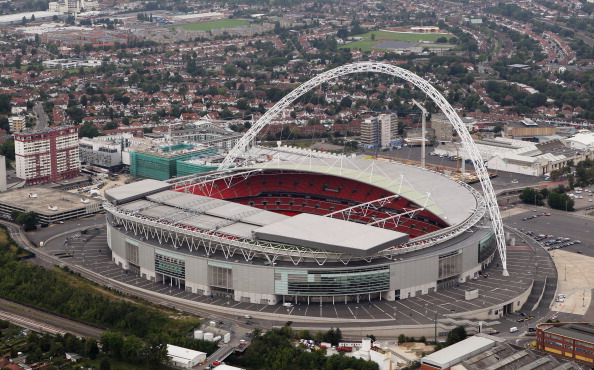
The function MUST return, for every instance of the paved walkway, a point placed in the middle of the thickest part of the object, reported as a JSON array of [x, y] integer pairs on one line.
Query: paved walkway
[[497, 289], [576, 278]]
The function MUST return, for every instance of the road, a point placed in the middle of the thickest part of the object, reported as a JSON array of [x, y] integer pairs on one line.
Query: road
[[41, 117], [38, 320]]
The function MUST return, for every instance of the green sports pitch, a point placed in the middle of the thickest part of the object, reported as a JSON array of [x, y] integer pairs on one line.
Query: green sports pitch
[[368, 44], [222, 23]]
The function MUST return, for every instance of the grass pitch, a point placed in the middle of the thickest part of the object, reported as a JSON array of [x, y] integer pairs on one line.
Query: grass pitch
[[221, 23], [367, 44]]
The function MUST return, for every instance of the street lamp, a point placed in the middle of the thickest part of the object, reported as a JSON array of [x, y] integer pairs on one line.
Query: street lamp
[[435, 323], [356, 312]]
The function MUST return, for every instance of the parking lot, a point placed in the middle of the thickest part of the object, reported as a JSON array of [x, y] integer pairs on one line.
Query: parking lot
[[554, 229]]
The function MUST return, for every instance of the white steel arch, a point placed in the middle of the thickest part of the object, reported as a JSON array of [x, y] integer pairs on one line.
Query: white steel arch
[[423, 85]]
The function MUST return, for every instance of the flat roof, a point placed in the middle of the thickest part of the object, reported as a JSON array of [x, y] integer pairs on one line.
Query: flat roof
[[325, 233], [24, 198], [581, 332], [458, 352], [135, 190]]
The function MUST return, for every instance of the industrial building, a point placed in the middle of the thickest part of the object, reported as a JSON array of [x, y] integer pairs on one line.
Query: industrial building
[[379, 131], [518, 156], [583, 140], [183, 357], [17, 18], [487, 352], [47, 155], [51, 205], [573, 341]]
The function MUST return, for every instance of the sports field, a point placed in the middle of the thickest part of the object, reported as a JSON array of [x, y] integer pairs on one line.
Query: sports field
[[367, 44], [222, 23]]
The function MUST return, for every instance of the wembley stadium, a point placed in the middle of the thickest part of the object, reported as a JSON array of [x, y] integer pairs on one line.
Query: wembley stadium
[[303, 229]]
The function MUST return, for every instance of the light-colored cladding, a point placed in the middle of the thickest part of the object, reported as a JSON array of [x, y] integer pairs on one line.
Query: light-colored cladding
[[255, 282]]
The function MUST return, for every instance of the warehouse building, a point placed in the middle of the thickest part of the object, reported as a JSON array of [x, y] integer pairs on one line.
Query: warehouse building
[[574, 341]]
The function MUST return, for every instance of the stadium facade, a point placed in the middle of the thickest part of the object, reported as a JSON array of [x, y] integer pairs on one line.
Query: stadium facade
[[303, 231]]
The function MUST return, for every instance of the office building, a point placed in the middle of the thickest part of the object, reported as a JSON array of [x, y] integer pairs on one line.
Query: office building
[[47, 155]]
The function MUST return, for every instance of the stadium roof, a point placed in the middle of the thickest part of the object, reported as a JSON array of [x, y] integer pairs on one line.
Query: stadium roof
[[325, 233], [303, 230], [135, 190]]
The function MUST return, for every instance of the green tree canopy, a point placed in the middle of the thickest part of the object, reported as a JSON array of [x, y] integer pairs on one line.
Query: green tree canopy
[[532, 196]]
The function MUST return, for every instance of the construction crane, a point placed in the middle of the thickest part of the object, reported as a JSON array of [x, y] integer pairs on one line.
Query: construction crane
[[423, 129]]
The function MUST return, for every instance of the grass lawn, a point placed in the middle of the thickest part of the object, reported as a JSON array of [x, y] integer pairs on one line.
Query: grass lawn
[[222, 23], [367, 44]]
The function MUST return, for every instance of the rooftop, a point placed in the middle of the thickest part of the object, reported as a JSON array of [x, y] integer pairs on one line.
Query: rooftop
[[181, 354], [458, 352], [38, 199], [325, 233], [583, 332], [135, 190]]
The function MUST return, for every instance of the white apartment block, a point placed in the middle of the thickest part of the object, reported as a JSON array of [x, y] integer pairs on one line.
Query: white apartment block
[[379, 131], [16, 124]]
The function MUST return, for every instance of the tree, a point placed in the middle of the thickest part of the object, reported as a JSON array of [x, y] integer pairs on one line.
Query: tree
[[456, 335], [112, 343], [342, 33], [531, 196], [5, 106], [88, 130], [442, 40], [105, 364], [24, 20], [346, 102], [91, 348], [560, 201], [111, 125], [32, 17], [497, 129], [76, 114], [28, 220], [373, 37]]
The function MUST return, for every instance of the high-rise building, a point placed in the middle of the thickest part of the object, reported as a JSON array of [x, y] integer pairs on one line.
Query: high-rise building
[[73, 6], [16, 123], [379, 131], [443, 128], [47, 155]]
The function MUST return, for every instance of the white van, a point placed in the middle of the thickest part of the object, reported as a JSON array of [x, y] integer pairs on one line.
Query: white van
[[288, 304], [513, 329]]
